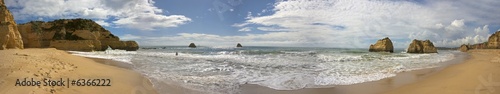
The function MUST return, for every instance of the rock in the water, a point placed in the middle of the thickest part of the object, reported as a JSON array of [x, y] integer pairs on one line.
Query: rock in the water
[[382, 45], [122, 45], [9, 34], [494, 41], [192, 45], [39, 34], [464, 48], [418, 46], [238, 45]]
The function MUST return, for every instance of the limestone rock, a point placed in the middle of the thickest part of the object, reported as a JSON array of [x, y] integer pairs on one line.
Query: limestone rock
[[122, 45], [418, 46], [464, 48], [238, 45], [479, 46], [382, 45], [192, 45], [10, 38], [39, 34], [494, 41], [76, 45]]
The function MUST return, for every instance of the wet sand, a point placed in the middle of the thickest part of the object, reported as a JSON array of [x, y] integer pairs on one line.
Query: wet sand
[[57, 65], [374, 87], [480, 74]]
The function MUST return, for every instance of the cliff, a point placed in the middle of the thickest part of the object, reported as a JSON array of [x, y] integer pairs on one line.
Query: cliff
[[464, 48], [382, 45], [9, 33], [494, 41], [418, 46], [71, 34]]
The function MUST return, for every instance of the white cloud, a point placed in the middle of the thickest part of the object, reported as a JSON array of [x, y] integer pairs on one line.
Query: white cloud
[[129, 37], [123, 13], [358, 23], [245, 29], [103, 23], [240, 25], [249, 15]]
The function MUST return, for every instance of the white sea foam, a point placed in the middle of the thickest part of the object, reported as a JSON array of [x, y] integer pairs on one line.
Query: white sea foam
[[118, 55], [222, 71]]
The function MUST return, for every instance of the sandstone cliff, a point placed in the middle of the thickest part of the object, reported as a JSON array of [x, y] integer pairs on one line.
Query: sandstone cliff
[[464, 48], [382, 45], [418, 46], [494, 41], [9, 34], [71, 34]]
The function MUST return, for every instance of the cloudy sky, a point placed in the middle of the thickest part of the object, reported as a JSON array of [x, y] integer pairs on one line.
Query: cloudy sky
[[299, 23]]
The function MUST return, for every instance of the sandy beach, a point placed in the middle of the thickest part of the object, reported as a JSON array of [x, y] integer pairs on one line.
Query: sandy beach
[[373, 87], [57, 65], [480, 74], [476, 74]]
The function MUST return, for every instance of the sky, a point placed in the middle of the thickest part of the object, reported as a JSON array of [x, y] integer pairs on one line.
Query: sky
[[294, 23]]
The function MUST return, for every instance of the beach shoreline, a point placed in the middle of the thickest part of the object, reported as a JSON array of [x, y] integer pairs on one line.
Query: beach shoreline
[[408, 82], [41, 65], [371, 87], [476, 75]]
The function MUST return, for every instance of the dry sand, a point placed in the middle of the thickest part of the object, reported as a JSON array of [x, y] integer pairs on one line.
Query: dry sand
[[480, 74], [54, 64]]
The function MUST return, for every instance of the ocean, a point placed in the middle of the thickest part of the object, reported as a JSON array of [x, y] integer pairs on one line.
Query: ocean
[[224, 69]]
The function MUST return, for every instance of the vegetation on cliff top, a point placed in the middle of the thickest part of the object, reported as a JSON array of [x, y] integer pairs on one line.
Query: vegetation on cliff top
[[62, 26]]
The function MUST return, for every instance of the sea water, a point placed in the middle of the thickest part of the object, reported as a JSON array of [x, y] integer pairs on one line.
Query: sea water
[[224, 69]]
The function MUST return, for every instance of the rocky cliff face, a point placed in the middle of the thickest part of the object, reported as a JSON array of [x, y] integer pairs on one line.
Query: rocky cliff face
[[494, 41], [83, 34], [382, 45], [418, 46], [464, 48], [9, 34]]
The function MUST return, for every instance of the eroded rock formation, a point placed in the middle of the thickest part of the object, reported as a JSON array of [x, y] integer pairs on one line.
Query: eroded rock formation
[[238, 45], [9, 34], [464, 48], [382, 45], [418, 46], [192, 45], [494, 41], [76, 34]]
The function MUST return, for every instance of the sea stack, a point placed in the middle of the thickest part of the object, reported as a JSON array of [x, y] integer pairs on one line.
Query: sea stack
[[10, 38], [192, 45], [238, 45], [463, 48], [418, 46], [382, 45], [494, 41]]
